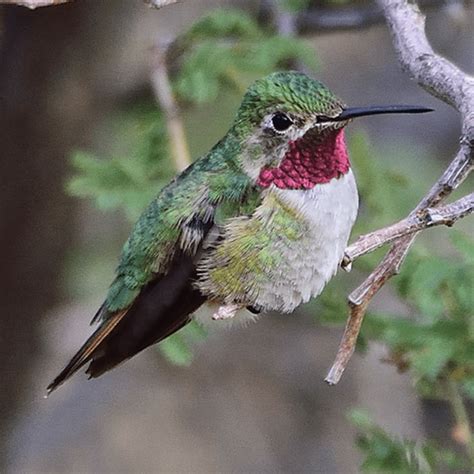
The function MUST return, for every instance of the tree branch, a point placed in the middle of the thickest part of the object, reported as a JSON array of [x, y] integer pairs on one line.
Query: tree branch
[[32, 4], [159, 3], [165, 98], [424, 219], [448, 83]]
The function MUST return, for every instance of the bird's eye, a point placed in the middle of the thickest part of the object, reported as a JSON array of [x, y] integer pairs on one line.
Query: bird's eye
[[281, 122]]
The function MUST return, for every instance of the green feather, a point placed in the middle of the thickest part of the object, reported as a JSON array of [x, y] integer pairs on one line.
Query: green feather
[[211, 181]]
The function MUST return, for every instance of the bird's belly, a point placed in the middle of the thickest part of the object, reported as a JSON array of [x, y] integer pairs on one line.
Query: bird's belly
[[307, 265]]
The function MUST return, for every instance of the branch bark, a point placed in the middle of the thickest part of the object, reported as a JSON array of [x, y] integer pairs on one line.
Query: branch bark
[[159, 3], [424, 219], [448, 83], [32, 4], [164, 96]]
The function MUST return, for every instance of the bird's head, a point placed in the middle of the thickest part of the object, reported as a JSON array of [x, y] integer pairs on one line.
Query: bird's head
[[291, 129]]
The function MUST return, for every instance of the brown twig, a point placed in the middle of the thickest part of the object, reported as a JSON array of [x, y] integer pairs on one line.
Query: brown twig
[[448, 83], [159, 3], [32, 4], [165, 98], [430, 217]]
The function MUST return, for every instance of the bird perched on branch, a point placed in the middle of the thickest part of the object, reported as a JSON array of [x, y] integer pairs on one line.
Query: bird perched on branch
[[260, 223]]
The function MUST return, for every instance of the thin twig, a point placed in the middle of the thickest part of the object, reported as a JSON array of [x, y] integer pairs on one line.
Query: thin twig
[[159, 3], [448, 83], [32, 4], [165, 98], [430, 217]]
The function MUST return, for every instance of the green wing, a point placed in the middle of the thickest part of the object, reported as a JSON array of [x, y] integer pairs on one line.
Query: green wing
[[177, 220], [154, 292]]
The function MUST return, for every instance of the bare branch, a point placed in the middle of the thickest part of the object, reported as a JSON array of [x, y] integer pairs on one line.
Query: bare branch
[[448, 83], [159, 3], [164, 96], [424, 219], [32, 4]]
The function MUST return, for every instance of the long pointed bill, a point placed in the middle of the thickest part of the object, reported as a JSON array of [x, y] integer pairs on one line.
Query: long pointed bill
[[352, 112]]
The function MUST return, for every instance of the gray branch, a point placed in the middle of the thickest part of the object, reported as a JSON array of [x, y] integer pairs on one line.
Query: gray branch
[[448, 83], [159, 3], [350, 17], [430, 217], [32, 4]]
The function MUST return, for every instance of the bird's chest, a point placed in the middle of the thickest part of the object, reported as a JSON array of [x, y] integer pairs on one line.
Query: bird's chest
[[329, 211]]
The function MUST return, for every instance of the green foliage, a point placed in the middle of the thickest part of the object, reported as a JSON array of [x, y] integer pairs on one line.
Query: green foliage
[[128, 182], [438, 341], [176, 348], [386, 454], [294, 5], [227, 48], [222, 23]]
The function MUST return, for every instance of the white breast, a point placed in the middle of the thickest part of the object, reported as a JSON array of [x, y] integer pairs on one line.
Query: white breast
[[330, 210]]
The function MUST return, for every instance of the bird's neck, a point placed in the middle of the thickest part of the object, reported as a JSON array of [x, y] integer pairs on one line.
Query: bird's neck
[[309, 161]]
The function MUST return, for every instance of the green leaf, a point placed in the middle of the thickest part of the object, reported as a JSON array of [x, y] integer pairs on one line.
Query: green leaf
[[226, 49], [433, 357], [468, 386], [176, 350], [294, 5], [127, 182], [361, 419], [221, 23], [464, 244], [194, 332], [384, 453]]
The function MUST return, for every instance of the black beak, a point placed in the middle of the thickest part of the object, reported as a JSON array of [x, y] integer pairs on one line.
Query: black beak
[[352, 112]]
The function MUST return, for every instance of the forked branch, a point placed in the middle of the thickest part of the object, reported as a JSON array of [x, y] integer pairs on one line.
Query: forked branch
[[449, 84], [424, 219]]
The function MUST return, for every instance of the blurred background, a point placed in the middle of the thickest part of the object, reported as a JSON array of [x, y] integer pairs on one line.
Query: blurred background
[[84, 146]]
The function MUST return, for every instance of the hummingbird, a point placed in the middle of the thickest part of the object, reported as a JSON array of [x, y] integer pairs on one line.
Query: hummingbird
[[260, 223]]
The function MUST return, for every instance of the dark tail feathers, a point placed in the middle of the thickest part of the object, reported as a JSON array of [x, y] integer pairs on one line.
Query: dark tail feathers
[[163, 307]]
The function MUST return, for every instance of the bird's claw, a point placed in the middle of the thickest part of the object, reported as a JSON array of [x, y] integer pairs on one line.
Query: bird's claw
[[225, 312]]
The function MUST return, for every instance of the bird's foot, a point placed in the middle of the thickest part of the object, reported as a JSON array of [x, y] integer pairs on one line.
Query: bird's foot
[[226, 312]]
